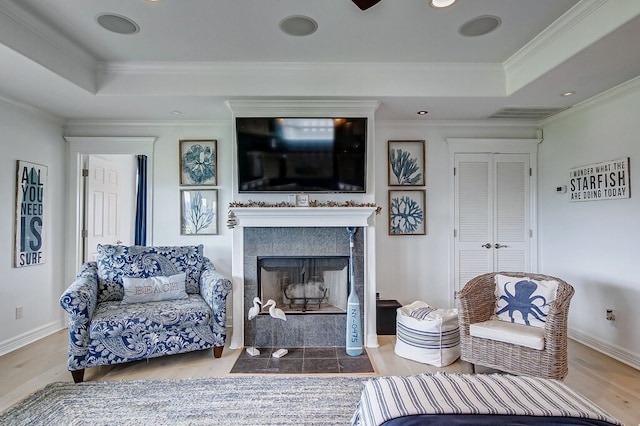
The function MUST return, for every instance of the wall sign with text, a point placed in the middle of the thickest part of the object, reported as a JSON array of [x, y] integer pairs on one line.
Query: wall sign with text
[[31, 182], [608, 180]]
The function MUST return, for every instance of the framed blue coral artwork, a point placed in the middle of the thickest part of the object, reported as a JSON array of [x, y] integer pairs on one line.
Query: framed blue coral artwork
[[199, 212], [198, 162], [406, 163], [407, 212]]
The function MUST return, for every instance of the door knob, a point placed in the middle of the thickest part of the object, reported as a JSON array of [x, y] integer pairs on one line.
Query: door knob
[[487, 246], [499, 246], [118, 242]]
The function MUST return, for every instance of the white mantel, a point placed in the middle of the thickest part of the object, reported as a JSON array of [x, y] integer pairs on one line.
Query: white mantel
[[303, 216], [248, 217]]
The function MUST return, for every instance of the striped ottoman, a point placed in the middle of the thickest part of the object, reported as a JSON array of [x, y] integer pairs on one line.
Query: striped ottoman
[[427, 335]]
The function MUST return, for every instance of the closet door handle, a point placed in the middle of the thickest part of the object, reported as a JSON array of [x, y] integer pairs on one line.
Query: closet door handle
[[487, 246], [499, 246]]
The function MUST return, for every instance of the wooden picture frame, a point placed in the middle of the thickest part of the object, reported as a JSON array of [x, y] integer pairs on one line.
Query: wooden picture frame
[[406, 163], [198, 212], [407, 212], [198, 162]]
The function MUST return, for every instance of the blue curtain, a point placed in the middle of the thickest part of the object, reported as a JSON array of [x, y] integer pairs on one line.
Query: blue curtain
[[141, 202]]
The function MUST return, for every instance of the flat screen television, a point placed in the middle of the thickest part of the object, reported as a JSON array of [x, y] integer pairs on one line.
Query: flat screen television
[[301, 154]]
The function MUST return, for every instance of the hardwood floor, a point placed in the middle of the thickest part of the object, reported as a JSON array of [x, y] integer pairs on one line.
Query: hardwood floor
[[612, 385]]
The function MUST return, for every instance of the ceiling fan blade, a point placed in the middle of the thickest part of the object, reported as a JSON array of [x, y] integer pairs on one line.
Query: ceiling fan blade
[[365, 4]]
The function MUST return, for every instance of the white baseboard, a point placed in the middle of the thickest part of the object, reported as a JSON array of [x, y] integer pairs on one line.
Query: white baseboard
[[30, 337], [608, 349]]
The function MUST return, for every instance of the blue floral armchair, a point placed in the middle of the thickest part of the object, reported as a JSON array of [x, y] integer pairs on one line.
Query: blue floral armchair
[[103, 329]]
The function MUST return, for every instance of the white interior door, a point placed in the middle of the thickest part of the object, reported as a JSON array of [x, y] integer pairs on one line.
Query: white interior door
[[102, 222], [491, 219]]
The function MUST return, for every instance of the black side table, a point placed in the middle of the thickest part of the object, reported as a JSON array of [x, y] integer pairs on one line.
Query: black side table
[[386, 316]]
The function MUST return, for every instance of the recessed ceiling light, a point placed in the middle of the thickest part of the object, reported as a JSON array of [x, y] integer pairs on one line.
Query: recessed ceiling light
[[480, 26], [117, 23], [441, 3], [423, 112], [176, 112], [298, 25], [570, 93]]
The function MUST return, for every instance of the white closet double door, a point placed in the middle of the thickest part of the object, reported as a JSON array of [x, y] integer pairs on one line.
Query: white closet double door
[[493, 224]]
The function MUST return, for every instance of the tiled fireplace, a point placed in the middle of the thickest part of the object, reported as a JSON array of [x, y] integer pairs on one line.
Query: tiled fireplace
[[309, 249]]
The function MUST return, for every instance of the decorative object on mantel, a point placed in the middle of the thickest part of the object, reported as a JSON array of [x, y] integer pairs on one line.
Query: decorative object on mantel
[[608, 180], [232, 220], [312, 203]]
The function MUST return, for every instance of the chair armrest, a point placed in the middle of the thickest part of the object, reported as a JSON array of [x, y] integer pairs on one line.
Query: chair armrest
[[477, 301], [214, 289], [80, 300], [556, 322]]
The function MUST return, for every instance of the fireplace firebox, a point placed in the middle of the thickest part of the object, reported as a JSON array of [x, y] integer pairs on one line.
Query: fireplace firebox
[[305, 285]]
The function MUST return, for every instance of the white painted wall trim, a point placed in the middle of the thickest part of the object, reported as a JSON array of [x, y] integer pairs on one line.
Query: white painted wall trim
[[77, 146], [30, 337], [494, 146], [606, 348]]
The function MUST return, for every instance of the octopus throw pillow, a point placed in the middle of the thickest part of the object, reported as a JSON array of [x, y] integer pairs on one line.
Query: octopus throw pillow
[[524, 300]]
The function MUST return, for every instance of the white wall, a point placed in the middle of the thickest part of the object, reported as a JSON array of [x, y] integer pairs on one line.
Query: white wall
[[589, 244], [594, 245], [29, 136], [166, 180], [417, 267]]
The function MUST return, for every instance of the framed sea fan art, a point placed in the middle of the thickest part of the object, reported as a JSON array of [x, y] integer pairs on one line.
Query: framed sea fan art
[[406, 163], [407, 212], [198, 162], [199, 212]]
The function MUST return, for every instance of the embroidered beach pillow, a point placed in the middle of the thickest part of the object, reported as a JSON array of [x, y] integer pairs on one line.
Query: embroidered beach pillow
[[115, 262], [154, 289], [524, 300]]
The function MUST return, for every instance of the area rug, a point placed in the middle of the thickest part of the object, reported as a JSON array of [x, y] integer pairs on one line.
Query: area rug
[[250, 400]]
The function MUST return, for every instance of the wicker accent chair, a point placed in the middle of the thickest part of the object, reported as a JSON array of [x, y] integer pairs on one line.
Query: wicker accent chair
[[477, 304]]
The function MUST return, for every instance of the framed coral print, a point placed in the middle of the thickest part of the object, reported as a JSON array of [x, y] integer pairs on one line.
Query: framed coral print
[[407, 210], [198, 162], [406, 163], [199, 211]]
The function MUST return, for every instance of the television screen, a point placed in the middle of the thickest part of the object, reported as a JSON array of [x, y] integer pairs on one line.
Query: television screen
[[301, 154]]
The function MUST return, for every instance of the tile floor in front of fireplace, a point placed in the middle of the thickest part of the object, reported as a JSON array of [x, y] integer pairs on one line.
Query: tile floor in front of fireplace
[[303, 360]]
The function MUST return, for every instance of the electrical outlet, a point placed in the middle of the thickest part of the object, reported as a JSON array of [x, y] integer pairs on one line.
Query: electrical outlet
[[18, 312], [610, 315]]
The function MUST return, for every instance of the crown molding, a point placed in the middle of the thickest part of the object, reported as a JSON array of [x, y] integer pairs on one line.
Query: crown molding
[[577, 14], [257, 108], [484, 123], [36, 112], [610, 95], [36, 40], [92, 123], [165, 67], [578, 29]]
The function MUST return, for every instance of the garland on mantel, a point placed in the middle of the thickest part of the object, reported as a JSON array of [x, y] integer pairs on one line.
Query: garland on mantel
[[232, 221], [312, 203]]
